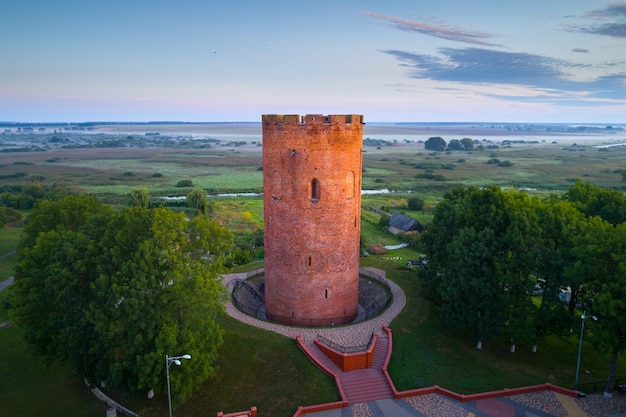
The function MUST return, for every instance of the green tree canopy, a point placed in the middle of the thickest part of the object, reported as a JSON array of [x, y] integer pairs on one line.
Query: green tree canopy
[[415, 203], [110, 293], [9, 215], [594, 200], [435, 143], [604, 263], [463, 244], [196, 199], [138, 198], [455, 145], [490, 250], [468, 144]]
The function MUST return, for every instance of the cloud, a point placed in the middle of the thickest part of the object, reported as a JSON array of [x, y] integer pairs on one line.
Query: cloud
[[477, 65], [442, 31], [549, 77], [581, 50], [611, 22]]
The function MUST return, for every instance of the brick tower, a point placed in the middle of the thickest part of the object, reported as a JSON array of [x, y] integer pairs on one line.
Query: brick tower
[[312, 212]]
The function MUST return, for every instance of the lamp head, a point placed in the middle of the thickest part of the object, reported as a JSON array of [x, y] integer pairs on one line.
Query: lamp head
[[186, 356], [584, 316]]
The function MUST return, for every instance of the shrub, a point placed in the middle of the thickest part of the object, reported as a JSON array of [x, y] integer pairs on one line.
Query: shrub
[[430, 176], [415, 203], [184, 183]]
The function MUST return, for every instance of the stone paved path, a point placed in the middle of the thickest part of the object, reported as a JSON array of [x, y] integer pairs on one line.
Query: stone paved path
[[6, 283], [353, 335]]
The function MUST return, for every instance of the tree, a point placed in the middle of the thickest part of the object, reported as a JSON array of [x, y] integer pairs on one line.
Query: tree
[[463, 243], [455, 145], [468, 144], [604, 263], [435, 143], [197, 199], [9, 215], [594, 200], [69, 214], [415, 203], [383, 221], [558, 227], [111, 292], [138, 198], [482, 246]]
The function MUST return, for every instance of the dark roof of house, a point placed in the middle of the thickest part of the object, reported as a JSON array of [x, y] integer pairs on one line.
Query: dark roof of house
[[404, 223]]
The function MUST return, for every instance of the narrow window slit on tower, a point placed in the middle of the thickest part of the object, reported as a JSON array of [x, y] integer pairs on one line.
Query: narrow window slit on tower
[[310, 261], [326, 293], [315, 189]]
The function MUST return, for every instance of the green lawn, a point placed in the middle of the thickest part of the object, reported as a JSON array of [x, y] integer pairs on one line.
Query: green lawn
[[8, 239], [32, 387]]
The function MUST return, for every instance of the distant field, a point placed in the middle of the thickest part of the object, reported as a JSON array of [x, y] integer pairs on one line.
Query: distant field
[[112, 160]]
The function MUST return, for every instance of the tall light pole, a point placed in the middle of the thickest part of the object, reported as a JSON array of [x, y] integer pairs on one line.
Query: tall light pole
[[168, 361], [580, 344]]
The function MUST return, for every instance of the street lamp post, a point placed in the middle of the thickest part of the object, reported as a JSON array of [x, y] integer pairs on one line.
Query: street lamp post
[[580, 343], [169, 360]]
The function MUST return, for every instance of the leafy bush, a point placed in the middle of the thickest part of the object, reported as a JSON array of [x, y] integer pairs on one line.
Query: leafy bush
[[415, 203], [430, 176], [184, 183]]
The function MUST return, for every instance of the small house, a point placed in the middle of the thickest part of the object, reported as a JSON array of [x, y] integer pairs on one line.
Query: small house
[[400, 223]]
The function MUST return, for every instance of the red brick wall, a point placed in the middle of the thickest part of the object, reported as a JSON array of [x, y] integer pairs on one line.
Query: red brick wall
[[350, 361], [312, 201]]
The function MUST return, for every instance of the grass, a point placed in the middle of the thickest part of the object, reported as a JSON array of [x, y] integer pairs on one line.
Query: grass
[[8, 239], [256, 368], [264, 369], [31, 386]]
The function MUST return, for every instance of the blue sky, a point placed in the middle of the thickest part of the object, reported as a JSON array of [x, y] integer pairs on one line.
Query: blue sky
[[422, 61]]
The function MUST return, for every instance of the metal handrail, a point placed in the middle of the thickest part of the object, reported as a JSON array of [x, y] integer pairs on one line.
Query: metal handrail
[[345, 349], [253, 310]]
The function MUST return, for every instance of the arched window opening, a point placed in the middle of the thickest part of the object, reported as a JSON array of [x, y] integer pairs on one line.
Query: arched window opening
[[315, 189]]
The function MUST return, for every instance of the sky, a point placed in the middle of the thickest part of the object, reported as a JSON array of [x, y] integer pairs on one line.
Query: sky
[[525, 61]]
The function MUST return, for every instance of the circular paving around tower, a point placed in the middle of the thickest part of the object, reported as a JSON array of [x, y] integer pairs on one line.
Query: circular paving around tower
[[347, 335]]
